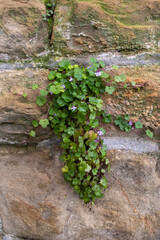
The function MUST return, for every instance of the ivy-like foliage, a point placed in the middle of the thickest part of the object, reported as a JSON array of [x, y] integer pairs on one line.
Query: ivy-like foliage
[[75, 108]]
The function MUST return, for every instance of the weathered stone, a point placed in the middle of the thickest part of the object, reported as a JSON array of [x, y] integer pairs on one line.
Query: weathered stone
[[92, 27], [138, 145], [23, 33], [17, 113], [11, 237], [141, 105], [35, 201]]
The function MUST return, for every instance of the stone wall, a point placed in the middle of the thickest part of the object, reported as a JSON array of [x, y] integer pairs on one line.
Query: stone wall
[[35, 201]]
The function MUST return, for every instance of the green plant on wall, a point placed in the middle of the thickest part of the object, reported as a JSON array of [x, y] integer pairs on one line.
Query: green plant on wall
[[75, 113], [48, 16]]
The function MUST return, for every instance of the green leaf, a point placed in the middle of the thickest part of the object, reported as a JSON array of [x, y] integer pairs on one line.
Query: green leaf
[[81, 141], [52, 75], [64, 169], [102, 64], [92, 60], [56, 89], [35, 86], [32, 133], [92, 116], [126, 117], [88, 168], [58, 75], [35, 123], [133, 83], [81, 117], [128, 128], [107, 118], [61, 102], [94, 171], [118, 120], [93, 100], [43, 92], [64, 64], [78, 74], [123, 78], [91, 108], [138, 124], [103, 182], [97, 190], [99, 104], [110, 89], [94, 123], [93, 145], [25, 95], [120, 78], [82, 107], [41, 101], [70, 130], [49, 4], [115, 67], [67, 97], [149, 133], [44, 123], [107, 161], [75, 181], [104, 75]]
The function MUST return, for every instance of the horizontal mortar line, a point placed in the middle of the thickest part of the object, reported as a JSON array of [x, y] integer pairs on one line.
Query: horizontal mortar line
[[110, 58], [138, 145]]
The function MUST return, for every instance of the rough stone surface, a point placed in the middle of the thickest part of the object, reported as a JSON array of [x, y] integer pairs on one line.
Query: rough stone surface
[[141, 105], [37, 203], [17, 113], [138, 145], [89, 27], [23, 33]]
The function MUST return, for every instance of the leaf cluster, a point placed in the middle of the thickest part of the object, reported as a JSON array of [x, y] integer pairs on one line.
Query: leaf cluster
[[75, 109]]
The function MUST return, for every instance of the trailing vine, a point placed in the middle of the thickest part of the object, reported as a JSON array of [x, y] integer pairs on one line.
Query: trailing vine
[[75, 112]]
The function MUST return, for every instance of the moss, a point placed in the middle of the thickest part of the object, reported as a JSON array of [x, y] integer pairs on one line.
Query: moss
[[18, 15], [59, 44]]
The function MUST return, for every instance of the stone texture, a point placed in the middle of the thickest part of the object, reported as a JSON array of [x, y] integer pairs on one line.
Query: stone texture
[[82, 27], [23, 33], [37, 203], [17, 113], [143, 104], [138, 145]]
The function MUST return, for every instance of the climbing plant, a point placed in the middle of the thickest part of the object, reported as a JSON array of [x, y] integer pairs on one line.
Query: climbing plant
[[75, 112]]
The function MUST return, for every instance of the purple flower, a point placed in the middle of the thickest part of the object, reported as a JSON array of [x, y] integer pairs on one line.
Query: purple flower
[[51, 93], [55, 114], [73, 108], [87, 122], [70, 79], [130, 123], [88, 67], [63, 86], [100, 133], [132, 128], [98, 73], [96, 140]]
